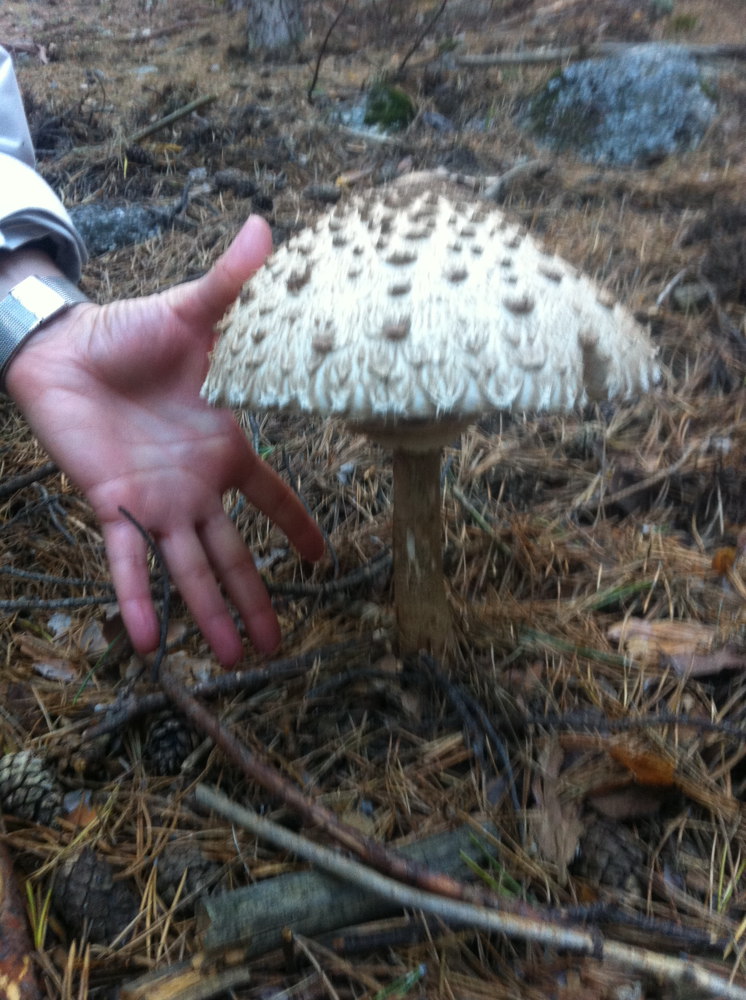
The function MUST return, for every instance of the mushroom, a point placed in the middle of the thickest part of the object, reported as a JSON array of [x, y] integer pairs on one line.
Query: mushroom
[[408, 312]]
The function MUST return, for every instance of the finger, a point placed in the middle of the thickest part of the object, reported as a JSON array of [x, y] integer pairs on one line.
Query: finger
[[267, 491], [205, 300], [234, 567], [195, 580], [127, 553]]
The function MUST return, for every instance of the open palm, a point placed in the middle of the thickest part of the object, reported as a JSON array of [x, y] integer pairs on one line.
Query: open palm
[[112, 392]]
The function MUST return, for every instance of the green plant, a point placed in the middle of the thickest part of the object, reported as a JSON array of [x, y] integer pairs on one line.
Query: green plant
[[38, 912], [389, 106], [683, 24]]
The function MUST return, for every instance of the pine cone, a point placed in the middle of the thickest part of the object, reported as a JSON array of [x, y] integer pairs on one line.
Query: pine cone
[[91, 904], [202, 874], [168, 743], [611, 856], [28, 789]]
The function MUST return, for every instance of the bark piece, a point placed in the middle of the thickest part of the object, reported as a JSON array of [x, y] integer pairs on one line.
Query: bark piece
[[311, 903]]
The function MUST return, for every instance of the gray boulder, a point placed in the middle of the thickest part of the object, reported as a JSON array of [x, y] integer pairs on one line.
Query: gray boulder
[[105, 227], [634, 108]]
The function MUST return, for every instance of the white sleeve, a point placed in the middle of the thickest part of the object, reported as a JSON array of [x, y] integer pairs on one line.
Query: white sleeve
[[29, 209]]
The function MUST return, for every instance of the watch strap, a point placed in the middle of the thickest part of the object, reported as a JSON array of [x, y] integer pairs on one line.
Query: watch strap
[[27, 307]]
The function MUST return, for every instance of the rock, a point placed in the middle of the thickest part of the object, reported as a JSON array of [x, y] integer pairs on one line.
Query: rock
[[690, 296], [240, 182], [107, 227], [437, 122], [631, 109]]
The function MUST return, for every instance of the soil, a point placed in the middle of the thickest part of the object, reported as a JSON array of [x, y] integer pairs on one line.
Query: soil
[[594, 708]]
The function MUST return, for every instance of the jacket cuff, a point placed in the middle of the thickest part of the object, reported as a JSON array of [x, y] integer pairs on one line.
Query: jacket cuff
[[31, 211]]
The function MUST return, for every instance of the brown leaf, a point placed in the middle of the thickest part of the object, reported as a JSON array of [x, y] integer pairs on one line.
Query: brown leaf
[[17, 978], [728, 657], [647, 767], [691, 648], [555, 824], [632, 802]]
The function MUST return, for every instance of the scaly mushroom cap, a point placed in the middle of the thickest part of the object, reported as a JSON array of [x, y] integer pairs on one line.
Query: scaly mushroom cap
[[414, 304]]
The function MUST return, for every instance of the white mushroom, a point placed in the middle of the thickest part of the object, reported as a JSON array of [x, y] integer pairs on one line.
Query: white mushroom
[[409, 312]]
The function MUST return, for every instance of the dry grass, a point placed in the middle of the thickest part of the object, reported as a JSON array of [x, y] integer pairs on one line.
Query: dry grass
[[556, 529]]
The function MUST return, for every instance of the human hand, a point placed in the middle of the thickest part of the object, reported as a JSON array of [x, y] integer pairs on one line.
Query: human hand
[[112, 393]]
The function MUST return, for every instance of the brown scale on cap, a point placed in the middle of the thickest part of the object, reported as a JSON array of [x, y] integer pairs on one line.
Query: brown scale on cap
[[456, 275], [520, 305], [409, 312], [399, 257], [553, 273], [397, 331]]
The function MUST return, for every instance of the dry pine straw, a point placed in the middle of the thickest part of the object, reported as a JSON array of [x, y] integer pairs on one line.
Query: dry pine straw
[[550, 539]]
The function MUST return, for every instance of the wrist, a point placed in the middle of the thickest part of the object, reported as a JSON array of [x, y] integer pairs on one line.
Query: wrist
[[15, 265], [31, 303], [43, 357]]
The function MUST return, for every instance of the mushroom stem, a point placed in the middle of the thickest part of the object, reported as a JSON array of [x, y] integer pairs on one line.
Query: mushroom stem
[[422, 611]]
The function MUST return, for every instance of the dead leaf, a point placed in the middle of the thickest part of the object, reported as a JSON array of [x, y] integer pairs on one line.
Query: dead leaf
[[56, 670], [17, 977], [691, 648], [555, 824], [647, 767], [723, 560], [633, 802], [82, 816], [46, 660], [190, 669], [726, 658]]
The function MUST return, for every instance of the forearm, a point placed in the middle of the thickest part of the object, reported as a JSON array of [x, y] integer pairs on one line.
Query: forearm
[[15, 265]]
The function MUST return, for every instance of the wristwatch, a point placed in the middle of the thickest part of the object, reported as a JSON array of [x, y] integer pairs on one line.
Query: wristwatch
[[27, 307]]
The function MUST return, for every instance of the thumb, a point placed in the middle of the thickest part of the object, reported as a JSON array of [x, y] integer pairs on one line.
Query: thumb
[[206, 299]]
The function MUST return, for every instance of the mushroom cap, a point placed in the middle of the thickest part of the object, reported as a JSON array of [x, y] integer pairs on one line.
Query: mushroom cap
[[420, 303]]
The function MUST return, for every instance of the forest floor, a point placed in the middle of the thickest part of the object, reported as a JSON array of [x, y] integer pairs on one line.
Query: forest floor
[[594, 711]]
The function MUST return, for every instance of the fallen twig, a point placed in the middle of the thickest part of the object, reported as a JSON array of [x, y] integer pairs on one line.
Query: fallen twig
[[51, 604], [147, 34], [196, 980], [29, 48], [64, 581], [131, 706], [374, 853], [174, 116], [423, 33], [608, 499], [535, 927], [496, 188], [11, 486], [476, 721], [363, 574], [109, 150], [565, 54], [491, 186], [17, 974], [322, 51]]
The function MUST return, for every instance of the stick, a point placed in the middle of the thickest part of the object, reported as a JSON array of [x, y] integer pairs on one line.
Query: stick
[[105, 151], [539, 56], [377, 855], [311, 902], [130, 707], [181, 112], [322, 50], [428, 27], [11, 486], [544, 931]]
